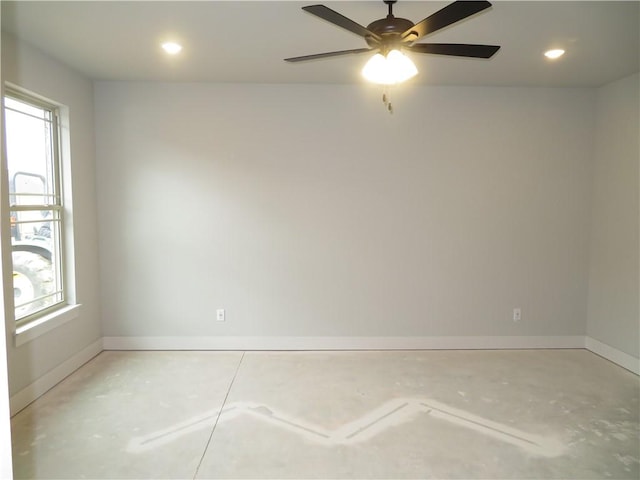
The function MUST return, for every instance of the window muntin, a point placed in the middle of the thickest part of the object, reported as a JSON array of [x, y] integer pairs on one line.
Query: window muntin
[[35, 205]]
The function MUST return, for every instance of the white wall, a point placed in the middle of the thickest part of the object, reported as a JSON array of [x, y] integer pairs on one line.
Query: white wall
[[614, 312], [30, 69], [309, 211]]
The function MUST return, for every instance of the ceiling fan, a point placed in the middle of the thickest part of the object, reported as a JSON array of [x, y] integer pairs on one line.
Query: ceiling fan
[[392, 33]]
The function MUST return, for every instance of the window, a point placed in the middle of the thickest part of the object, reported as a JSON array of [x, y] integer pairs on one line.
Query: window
[[35, 205]]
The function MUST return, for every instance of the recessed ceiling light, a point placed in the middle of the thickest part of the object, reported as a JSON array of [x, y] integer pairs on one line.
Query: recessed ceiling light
[[171, 48], [553, 54]]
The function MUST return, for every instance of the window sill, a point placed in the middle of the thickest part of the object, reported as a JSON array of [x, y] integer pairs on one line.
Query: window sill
[[32, 330]]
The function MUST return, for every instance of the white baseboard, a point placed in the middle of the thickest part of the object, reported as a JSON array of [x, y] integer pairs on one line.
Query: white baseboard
[[31, 392], [340, 343], [613, 354], [28, 394]]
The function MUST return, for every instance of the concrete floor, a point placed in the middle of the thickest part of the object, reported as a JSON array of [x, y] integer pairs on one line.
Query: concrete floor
[[412, 414]]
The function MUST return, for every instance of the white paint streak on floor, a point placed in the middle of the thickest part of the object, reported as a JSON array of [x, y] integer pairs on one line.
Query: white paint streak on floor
[[392, 414]]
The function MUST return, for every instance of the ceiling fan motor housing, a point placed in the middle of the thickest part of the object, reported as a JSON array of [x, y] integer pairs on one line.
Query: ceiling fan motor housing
[[390, 29]]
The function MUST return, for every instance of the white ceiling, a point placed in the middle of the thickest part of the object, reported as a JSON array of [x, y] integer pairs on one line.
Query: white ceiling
[[242, 41]]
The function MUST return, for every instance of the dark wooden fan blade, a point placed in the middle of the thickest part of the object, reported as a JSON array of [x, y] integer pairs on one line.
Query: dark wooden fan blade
[[340, 20], [450, 14], [329, 54], [455, 49]]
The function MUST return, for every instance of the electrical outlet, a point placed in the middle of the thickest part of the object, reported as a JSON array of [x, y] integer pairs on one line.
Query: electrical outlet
[[517, 314], [220, 315]]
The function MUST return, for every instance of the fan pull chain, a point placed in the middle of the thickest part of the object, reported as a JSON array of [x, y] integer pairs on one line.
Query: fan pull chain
[[386, 99]]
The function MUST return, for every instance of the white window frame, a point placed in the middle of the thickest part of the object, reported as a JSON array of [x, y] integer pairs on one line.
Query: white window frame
[[43, 321]]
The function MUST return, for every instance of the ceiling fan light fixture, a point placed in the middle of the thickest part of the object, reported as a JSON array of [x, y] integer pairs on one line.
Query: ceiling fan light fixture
[[391, 69]]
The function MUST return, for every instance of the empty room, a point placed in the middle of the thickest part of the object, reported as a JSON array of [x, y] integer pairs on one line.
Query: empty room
[[348, 240]]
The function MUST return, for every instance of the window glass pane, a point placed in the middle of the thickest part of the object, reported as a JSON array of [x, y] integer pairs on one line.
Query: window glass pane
[[30, 189], [34, 226], [30, 158], [37, 273]]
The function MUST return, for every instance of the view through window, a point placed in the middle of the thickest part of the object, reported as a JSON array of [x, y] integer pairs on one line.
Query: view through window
[[36, 210]]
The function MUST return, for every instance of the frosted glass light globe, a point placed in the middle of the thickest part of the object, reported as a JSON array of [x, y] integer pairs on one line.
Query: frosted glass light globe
[[394, 68]]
